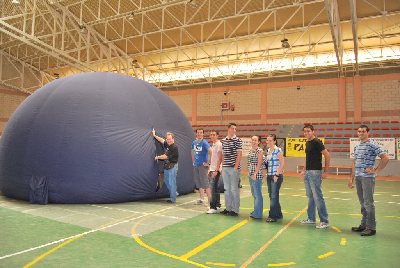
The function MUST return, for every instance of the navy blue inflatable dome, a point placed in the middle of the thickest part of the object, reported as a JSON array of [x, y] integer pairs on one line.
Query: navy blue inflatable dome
[[87, 138]]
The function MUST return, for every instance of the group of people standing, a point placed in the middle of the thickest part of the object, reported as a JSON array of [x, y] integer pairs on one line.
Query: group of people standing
[[223, 157]]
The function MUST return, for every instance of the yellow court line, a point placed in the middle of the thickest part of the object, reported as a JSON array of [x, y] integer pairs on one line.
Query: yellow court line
[[67, 241], [36, 260], [326, 255], [211, 241], [255, 255], [143, 244], [281, 264], [336, 229], [50, 251], [221, 264], [394, 217], [343, 241]]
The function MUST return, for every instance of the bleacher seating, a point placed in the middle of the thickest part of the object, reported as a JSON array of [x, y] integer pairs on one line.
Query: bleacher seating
[[336, 134]]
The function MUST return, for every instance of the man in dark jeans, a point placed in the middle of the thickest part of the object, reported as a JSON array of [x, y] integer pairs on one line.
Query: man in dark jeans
[[313, 175], [215, 172], [363, 175], [170, 164]]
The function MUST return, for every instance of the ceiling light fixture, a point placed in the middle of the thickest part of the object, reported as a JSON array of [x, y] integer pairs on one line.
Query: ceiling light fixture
[[15, 2], [130, 17], [83, 28], [285, 43], [192, 3]]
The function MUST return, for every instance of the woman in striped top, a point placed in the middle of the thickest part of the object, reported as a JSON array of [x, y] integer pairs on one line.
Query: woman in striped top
[[254, 165], [276, 163]]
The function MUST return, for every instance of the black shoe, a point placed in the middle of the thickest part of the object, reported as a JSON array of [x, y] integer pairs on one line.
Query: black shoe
[[358, 229], [169, 201], [368, 232], [225, 212], [271, 220], [233, 213]]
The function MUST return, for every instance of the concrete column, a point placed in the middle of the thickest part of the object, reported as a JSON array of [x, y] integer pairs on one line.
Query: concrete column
[[357, 98], [342, 99], [264, 113]]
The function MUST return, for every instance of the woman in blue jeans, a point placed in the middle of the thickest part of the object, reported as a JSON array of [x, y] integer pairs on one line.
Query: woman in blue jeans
[[276, 163], [254, 166]]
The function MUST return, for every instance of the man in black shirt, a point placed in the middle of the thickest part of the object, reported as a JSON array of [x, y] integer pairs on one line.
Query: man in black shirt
[[313, 176], [170, 158]]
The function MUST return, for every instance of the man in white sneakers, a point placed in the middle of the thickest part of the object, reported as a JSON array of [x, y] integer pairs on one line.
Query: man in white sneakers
[[215, 171], [313, 176]]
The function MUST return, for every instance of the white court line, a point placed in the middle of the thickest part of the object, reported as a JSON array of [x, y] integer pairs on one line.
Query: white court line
[[89, 232]]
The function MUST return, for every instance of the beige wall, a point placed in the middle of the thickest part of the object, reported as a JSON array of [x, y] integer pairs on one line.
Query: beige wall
[[185, 103], [9, 101], [381, 99], [281, 102], [349, 101]]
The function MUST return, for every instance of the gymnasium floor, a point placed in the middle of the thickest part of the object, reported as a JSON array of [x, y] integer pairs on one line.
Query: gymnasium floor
[[157, 234]]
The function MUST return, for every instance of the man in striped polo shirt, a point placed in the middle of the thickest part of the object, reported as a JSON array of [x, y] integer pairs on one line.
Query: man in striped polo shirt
[[364, 173], [232, 154]]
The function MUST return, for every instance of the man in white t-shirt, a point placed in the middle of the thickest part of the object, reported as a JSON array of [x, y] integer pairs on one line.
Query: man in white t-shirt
[[214, 171]]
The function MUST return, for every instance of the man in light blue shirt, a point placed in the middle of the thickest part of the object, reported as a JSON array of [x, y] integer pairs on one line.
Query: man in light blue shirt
[[201, 151], [364, 173]]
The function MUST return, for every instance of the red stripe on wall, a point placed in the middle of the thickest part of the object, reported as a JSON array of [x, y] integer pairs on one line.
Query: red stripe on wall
[[303, 115]]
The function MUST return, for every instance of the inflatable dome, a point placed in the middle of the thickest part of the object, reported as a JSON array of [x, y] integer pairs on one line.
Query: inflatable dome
[[87, 138]]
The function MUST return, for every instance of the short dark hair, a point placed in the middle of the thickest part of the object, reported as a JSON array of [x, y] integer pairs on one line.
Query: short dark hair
[[258, 137], [364, 126], [216, 132], [232, 124], [273, 136], [199, 129], [308, 126], [170, 133]]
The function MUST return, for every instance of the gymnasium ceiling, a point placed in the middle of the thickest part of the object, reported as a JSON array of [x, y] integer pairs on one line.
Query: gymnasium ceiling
[[184, 43]]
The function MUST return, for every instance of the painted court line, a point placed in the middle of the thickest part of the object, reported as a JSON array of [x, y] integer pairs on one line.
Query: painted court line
[[221, 264], [255, 255], [213, 240], [281, 264], [138, 240], [85, 233], [50, 251], [326, 255]]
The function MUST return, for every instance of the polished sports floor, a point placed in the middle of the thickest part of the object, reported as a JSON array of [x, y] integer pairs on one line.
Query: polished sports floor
[[157, 234]]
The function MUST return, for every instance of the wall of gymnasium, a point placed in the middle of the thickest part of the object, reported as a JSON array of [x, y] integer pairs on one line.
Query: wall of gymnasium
[[360, 98], [9, 101], [363, 98]]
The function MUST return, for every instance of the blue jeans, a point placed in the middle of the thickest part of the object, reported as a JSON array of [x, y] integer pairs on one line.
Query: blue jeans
[[313, 184], [232, 190], [215, 195], [255, 186], [365, 191], [275, 211], [170, 181]]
